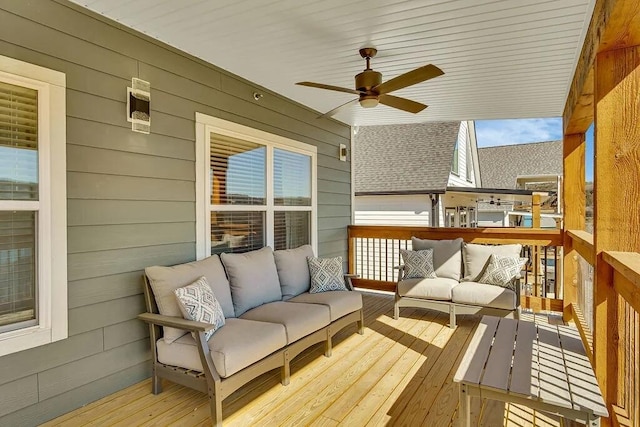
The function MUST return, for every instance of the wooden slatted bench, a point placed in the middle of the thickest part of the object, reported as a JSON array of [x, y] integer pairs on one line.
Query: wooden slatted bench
[[541, 366]]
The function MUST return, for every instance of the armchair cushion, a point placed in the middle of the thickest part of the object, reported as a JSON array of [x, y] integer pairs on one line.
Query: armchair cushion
[[473, 293], [438, 289], [476, 258], [253, 277], [165, 280], [293, 270], [447, 255]]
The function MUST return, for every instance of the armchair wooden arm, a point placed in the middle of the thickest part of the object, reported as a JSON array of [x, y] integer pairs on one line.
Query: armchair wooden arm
[[175, 322], [347, 280]]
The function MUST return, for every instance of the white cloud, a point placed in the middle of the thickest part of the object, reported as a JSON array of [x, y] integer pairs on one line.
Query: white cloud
[[507, 132]]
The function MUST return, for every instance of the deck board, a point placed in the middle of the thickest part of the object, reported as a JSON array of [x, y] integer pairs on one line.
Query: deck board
[[398, 373]]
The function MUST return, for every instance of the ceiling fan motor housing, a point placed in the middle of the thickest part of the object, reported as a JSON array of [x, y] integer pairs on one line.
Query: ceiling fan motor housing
[[367, 80]]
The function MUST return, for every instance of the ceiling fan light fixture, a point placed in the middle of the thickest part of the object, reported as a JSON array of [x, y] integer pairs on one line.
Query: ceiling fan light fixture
[[368, 101]]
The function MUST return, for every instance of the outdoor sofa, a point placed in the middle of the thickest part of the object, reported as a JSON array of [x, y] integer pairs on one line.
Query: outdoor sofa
[[269, 318], [456, 289]]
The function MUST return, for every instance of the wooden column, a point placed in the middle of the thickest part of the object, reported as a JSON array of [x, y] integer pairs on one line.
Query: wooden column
[[617, 195], [535, 210], [573, 207], [535, 223]]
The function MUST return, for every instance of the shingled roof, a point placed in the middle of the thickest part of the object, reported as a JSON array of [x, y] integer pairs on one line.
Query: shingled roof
[[500, 166], [404, 159]]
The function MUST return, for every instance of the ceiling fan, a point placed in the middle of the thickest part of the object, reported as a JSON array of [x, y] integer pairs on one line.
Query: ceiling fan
[[371, 90], [491, 201]]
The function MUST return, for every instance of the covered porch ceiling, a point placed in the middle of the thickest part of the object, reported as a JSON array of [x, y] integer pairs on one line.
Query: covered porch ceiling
[[501, 58]]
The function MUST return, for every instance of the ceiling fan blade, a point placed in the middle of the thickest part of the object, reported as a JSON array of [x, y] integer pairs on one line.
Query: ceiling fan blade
[[329, 87], [402, 103], [409, 78], [338, 108]]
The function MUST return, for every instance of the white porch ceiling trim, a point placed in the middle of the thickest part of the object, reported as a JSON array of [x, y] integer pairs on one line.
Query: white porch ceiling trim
[[502, 58]]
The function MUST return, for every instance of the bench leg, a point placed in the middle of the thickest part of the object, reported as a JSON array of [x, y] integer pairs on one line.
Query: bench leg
[[452, 316], [156, 384], [396, 311], [464, 414], [215, 404], [328, 345], [593, 422], [361, 323]]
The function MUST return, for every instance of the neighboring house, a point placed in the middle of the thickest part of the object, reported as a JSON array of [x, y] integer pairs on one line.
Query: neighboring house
[[394, 188], [533, 166]]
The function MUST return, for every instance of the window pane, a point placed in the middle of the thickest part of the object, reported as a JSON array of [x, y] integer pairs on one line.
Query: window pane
[[291, 178], [238, 171], [18, 143], [237, 231], [292, 229], [17, 267]]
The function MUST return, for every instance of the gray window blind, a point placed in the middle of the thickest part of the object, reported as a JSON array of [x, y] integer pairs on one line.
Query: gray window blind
[[18, 143], [291, 178], [18, 181], [238, 171], [237, 231], [291, 229]]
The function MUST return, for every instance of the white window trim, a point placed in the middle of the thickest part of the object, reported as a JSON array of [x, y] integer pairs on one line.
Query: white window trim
[[204, 126], [52, 206]]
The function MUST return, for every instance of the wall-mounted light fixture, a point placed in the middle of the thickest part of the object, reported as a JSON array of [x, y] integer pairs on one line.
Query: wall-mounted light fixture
[[138, 105], [343, 152]]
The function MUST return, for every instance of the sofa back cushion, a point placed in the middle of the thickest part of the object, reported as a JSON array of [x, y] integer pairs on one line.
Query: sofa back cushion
[[165, 280], [476, 257], [447, 255], [293, 270], [253, 277]]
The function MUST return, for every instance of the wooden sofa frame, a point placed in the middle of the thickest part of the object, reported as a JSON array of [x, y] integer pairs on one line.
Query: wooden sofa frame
[[451, 307], [209, 381]]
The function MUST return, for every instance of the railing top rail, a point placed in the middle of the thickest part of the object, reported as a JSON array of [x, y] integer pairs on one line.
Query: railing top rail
[[496, 235], [627, 265], [582, 242]]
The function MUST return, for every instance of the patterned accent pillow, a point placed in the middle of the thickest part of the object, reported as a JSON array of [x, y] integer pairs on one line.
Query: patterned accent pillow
[[326, 274], [502, 269], [418, 264], [198, 303]]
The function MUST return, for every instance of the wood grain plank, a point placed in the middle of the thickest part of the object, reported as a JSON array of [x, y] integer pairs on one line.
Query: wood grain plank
[[553, 382], [472, 365], [498, 368], [522, 360]]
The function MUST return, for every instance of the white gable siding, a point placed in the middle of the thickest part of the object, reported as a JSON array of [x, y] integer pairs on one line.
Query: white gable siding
[[460, 180], [393, 210]]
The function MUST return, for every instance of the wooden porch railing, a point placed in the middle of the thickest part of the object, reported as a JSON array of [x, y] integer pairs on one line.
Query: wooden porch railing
[[374, 251], [621, 327]]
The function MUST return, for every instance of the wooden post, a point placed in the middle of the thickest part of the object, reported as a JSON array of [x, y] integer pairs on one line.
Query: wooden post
[[573, 207], [616, 191], [351, 253], [535, 223]]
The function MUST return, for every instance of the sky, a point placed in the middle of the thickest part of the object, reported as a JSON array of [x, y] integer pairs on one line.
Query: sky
[[490, 133]]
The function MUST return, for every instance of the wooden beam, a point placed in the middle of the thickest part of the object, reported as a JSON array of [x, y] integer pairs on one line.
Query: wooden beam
[[573, 208], [535, 210], [615, 24], [616, 212], [538, 304]]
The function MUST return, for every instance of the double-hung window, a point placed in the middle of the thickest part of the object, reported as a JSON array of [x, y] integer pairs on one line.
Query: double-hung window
[[33, 251], [254, 189]]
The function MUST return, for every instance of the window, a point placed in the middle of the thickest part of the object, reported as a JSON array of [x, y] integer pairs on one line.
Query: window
[[254, 189], [33, 267], [454, 166]]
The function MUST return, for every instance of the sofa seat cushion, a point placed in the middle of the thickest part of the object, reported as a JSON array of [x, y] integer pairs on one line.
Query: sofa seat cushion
[[474, 293], [299, 320], [437, 289], [340, 303], [238, 344]]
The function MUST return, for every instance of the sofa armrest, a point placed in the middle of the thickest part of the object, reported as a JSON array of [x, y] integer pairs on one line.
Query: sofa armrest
[[400, 269], [175, 322], [347, 280]]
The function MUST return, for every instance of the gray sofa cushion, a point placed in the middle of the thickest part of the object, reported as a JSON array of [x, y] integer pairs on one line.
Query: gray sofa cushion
[[165, 280], [299, 320], [437, 289], [293, 270], [233, 347], [476, 258], [340, 303], [473, 293], [253, 278], [447, 255]]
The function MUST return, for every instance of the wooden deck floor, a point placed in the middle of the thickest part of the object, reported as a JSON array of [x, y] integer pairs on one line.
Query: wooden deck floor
[[398, 373]]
